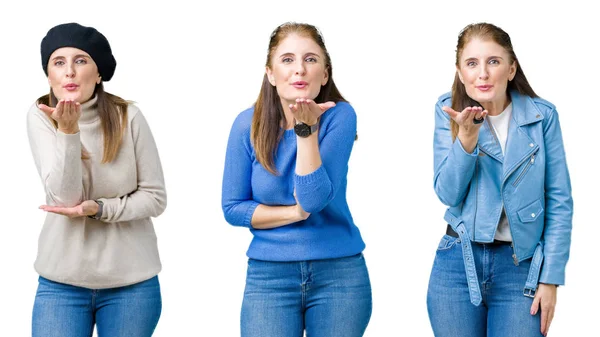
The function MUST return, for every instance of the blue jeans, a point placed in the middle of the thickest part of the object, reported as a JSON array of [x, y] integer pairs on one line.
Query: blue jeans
[[504, 310], [62, 310], [328, 298]]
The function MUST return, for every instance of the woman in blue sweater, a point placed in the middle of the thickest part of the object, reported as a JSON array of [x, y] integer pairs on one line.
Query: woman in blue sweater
[[285, 180]]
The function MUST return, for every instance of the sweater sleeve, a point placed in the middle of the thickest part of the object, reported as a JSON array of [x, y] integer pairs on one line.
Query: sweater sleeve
[[236, 198], [150, 197], [453, 166], [57, 157], [316, 189]]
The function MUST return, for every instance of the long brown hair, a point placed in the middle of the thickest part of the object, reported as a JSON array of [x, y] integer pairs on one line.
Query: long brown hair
[[269, 116], [112, 110], [484, 31]]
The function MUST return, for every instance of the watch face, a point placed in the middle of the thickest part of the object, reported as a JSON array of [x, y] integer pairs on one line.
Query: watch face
[[302, 130]]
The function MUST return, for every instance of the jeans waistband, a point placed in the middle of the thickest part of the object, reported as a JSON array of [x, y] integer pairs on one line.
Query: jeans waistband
[[458, 227]]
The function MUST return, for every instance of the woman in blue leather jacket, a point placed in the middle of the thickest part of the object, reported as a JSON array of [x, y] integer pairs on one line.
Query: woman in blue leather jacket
[[500, 167]]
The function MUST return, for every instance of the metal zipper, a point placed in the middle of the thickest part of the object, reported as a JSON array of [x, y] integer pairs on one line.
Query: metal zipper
[[512, 244], [524, 170]]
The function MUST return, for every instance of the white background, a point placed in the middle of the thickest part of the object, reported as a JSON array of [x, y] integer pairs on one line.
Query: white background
[[193, 69]]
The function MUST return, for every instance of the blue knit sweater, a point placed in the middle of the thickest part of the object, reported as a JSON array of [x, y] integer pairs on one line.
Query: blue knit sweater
[[329, 231]]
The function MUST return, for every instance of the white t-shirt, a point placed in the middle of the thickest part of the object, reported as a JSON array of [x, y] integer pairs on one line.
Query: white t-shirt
[[500, 125]]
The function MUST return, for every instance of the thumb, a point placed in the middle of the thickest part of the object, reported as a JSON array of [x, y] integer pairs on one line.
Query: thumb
[[327, 105], [450, 111], [46, 109]]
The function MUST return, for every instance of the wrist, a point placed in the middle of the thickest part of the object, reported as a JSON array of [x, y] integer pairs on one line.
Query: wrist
[[99, 210], [69, 130], [468, 135]]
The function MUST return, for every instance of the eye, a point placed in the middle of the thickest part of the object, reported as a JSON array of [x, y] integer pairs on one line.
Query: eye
[[81, 61], [59, 63], [311, 59], [494, 61], [287, 60], [471, 64]]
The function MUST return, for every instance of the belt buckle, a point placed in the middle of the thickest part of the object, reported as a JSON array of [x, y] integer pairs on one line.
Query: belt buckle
[[528, 292]]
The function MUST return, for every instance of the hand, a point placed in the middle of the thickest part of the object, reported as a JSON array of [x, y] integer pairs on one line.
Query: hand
[[545, 297], [307, 111], [66, 114], [465, 118], [86, 208], [302, 214]]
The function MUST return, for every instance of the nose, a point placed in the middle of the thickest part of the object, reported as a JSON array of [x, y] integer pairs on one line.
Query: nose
[[70, 70], [300, 68], [483, 72]]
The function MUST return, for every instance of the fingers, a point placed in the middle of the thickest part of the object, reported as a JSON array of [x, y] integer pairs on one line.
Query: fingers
[[481, 114], [535, 305], [66, 211], [547, 316], [544, 322], [307, 111]]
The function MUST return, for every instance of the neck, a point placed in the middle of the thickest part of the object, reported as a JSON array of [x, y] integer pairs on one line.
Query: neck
[[89, 111], [495, 108]]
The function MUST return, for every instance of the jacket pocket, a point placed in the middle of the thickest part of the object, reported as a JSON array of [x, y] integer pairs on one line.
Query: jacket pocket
[[531, 212]]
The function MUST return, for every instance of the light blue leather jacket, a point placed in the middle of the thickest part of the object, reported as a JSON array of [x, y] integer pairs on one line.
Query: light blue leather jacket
[[531, 181]]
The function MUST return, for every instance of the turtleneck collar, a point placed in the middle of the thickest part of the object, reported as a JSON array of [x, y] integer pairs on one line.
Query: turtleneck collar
[[89, 111]]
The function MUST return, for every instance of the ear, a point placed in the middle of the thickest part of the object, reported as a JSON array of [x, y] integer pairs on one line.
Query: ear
[[270, 76], [512, 71], [460, 76], [99, 79], [325, 76]]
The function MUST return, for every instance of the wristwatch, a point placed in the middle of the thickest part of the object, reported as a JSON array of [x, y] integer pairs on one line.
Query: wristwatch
[[304, 130], [98, 214]]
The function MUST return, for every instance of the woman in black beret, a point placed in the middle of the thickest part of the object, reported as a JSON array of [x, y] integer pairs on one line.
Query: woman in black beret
[[97, 253]]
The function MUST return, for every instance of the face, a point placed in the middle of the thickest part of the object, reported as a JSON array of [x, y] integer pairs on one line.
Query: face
[[485, 69], [72, 74], [297, 69]]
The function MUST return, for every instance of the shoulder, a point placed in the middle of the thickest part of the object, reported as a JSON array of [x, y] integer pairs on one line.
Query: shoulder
[[243, 121], [545, 107], [341, 111], [133, 111], [445, 99], [35, 115]]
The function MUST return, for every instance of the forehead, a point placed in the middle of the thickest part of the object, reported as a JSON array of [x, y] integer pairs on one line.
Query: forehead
[[478, 48], [297, 44], [67, 52]]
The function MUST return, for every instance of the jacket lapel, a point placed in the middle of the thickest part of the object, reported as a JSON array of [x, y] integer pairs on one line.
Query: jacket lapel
[[488, 141], [519, 146]]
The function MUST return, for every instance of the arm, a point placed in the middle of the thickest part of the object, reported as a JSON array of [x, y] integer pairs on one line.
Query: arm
[[453, 166], [238, 206], [322, 168], [57, 157], [150, 197], [559, 206]]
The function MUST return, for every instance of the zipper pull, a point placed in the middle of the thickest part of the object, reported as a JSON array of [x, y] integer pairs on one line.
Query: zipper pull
[[532, 158], [514, 256]]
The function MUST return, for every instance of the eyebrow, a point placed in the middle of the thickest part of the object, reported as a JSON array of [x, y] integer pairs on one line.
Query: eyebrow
[[63, 57], [307, 54], [489, 58]]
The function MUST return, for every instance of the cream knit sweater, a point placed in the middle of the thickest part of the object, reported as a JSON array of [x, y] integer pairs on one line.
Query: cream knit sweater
[[121, 248]]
